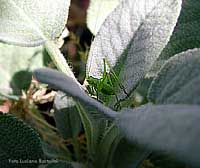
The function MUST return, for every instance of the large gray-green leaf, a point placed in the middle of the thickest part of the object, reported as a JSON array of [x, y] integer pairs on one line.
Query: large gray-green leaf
[[32, 22], [186, 34], [16, 64], [18, 144], [171, 128], [66, 116], [131, 39], [97, 13], [178, 81]]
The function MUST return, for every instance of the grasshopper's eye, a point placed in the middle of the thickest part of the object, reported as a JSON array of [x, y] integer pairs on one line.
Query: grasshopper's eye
[[91, 80]]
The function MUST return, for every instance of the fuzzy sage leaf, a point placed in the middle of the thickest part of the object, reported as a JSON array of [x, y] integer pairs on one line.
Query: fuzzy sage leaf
[[16, 66], [186, 34], [33, 22], [19, 143], [97, 13], [178, 80], [132, 45], [171, 128]]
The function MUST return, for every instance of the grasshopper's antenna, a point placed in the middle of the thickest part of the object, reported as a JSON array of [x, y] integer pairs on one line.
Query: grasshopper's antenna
[[104, 67]]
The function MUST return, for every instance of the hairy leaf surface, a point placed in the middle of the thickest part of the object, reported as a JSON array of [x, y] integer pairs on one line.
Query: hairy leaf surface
[[18, 142], [132, 38], [178, 80], [16, 64], [32, 22], [171, 128], [97, 13], [186, 34]]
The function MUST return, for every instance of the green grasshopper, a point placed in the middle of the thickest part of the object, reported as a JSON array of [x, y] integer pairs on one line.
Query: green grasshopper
[[105, 85]]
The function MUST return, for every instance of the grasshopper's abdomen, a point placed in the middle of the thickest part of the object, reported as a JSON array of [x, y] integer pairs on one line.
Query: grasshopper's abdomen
[[107, 89]]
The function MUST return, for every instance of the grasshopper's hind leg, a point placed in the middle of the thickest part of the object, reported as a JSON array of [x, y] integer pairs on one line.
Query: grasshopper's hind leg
[[117, 105], [119, 83]]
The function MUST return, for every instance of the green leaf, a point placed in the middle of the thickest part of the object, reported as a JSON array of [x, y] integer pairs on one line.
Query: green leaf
[[97, 13], [66, 116], [155, 68], [89, 128], [186, 34], [107, 146], [178, 80], [33, 22], [132, 38], [170, 128], [68, 121], [129, 155], [18, 142], [16, 65]]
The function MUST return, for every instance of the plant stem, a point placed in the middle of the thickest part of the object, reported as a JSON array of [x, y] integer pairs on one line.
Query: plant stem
[[58, 59]]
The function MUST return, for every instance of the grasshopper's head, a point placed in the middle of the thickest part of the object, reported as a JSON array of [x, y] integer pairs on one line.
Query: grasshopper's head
[[92, 81]]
